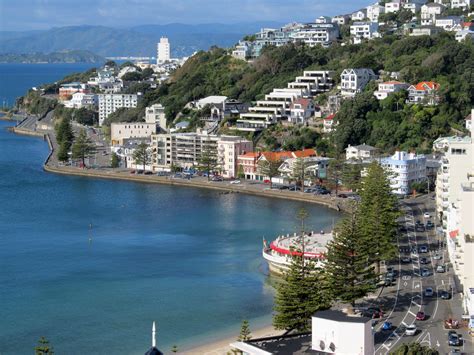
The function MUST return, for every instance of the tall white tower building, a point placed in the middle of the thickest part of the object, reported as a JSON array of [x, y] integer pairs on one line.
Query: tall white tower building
[[163, 50]]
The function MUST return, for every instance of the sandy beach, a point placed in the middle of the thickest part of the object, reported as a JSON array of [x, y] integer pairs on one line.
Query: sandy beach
[[222, 347]]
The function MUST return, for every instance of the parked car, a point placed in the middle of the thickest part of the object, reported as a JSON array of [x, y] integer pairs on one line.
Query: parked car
[[453, 339], [424, 261], [445, 295], [373, 312], [148, 173], [293, 188], [284, 187], [235, 182], [425, 272], [139, 172], [437, 256], [405, 260], [426, 215], [217, 178], [132, 171], [440, 269], [423, 249], [386, 326], [411, 330], [429, 225], [429, 292], [420, 316], [266, 181]]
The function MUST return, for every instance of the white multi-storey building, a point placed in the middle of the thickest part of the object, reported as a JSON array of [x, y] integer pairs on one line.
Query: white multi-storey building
[[374, 11], [393, 6], [353, 81], [406, 169], [460, 4], [130, 130], [429, 12], [109, 103], [163, 50], [449, 23], [364, 30], [316, 34], [156, 114], [359, 15], [361, 152], [80, 100], [228, 150], [388, 87], [341, 19]]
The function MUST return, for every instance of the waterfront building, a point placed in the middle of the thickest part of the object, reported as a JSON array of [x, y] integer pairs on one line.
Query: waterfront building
[[333, 332], [155, 114], [424, 93], [67, 90], [374, 11], [364, 30], [126, 150], [247, 163], [163, 51], [130, 130], [353, 81], [429, 12], [80, 100], [388, 87], [315, 168], [109, 103], [228, 150], [362, 152], [406, 169]]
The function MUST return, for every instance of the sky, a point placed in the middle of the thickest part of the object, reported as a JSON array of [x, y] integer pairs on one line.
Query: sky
[[23, 15]]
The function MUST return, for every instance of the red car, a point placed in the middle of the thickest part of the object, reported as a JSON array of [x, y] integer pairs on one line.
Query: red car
[[420, 316]]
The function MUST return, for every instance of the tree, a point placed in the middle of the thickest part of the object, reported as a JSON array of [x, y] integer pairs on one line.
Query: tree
[[64, 132], [378, 214], [414, 349], [83, 147], [348, 273], [63, 151], [114, 160], [299, 295], [43, 347], [132, 76], [207, 162], [300, 171], [142, 155], [240, 172], [334, 175], [269, 168], [85, 116], [351, 176], [245, 333]]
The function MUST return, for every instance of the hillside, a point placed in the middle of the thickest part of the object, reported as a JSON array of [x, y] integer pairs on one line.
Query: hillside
[[136, 41]]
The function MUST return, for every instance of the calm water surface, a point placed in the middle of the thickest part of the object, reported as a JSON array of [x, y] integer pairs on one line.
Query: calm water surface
[[187, 258]]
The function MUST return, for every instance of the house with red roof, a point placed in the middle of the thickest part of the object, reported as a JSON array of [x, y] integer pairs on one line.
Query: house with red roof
[[329, 123], [301, 110], [424, 93]]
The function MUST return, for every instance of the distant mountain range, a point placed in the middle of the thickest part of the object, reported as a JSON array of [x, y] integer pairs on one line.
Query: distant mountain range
[[135, 41], [74, 56]]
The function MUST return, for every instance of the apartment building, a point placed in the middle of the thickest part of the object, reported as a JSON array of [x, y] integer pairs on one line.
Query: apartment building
[[163, 51], [155, 114], [461, 4], [393, 6], [80, 100], [228, 150], [448, 23], [425, 31], [362, 152], [364, 30], [389, 87], [313, 34], [341, 19], [109, 103], [353, 81], [301, 110], [374, 11], [406, 169], [130, 130], [359, 15], [429, 12]]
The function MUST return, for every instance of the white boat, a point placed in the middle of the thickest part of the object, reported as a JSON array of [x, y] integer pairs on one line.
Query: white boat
[[279, 252]]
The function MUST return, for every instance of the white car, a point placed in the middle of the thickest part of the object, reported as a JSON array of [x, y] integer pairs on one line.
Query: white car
[[411, 330], [437, 256], [426, 215], [235, 182]]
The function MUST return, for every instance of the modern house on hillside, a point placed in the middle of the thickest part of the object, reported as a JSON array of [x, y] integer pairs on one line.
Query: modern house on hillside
[[353, 81], [425, 93], [388, 87]]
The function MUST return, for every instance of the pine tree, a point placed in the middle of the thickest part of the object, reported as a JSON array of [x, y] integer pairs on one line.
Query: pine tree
[[63, 151], [208, 160], [142, 155], [348, 273], [43, 347], [64, 132], [114, 161], [378, 215], [334, 172], [300, 171], [351, 176], [269, 168], [245, 333], [82, 147]]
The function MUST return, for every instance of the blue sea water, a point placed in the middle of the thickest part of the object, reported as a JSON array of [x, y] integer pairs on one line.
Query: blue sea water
[[187, 258], [17, 78]]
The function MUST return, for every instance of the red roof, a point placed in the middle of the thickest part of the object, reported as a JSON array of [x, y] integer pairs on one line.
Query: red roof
[[467, 24], [330, 117], [305, 153], [303, 102], [427, 85], [287, 154], [393, 82], [250, 155], [454, 233]]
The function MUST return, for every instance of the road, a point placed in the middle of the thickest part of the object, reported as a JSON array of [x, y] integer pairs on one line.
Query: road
[[402, 301]]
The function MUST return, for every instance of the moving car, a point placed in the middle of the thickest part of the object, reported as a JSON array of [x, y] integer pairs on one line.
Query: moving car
[[429, 292], [423, 249], [425, 272], [410, 330], [440, 269], [235, 182], [386, 326], [445, 295], [420, 316], [453, 339], [426, 215]]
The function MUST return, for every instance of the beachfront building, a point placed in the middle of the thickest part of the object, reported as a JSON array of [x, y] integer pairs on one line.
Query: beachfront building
[[429, 12], [388, 87], [364, 30], [247, 164], [163, 51], [353, 81], [424, 93], [109, 103], [333, 332], [130, 130], [155, 114], [315, 168], [362, 152], [229, 148], [80, 100], [313, 34], [406, 169], [67, 90], [374, 11]]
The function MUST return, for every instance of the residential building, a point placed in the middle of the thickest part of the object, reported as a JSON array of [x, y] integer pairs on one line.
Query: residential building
[[323, 19], [448, 23], [242, 50], [313, 34], [315, 168], [393, 6], [155, 114], [67, 90], [272, 37], [341, 19], [429, 12], [109, 103], [333, 331], [362, 152], [130, 130], [314, 82], [461, 4], [389, 87], [247, 163], [406, 169], [228, 150], [353, 81], [80, 100], [228, 108], [424, 93], [329, 123], [126, 70], [413, 7], [359, 15], [210, 100], [374, 11], [163, 51], [126, 150], [364, 30], [464, 35], [425, 31], [301, 110]]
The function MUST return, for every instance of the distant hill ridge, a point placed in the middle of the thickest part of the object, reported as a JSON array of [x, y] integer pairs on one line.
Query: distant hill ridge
[[74, 56], [134, 41]]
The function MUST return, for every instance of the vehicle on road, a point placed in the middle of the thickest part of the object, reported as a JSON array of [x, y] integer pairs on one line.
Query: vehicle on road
[[423, 249], [445, 295], [440, 269], [420, 316], [429, 292], [235, 182], [454, 339], [437, 256], [386, 326], [411, 330], [405, 260], [373, 312], [217, 178], [424, 261], [284, 187], [426, 215], [429, 225], [266, 181], [425, 272]]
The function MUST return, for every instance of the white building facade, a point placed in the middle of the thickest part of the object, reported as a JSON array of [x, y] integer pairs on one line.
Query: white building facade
[[364, 30], [353, 81], [406, 169], [130, 130], [164, 50], [228, 150], [389, 87], [155, 114], [109, 103]]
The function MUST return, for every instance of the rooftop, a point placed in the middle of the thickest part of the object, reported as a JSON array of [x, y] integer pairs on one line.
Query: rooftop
[[285, 344]]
